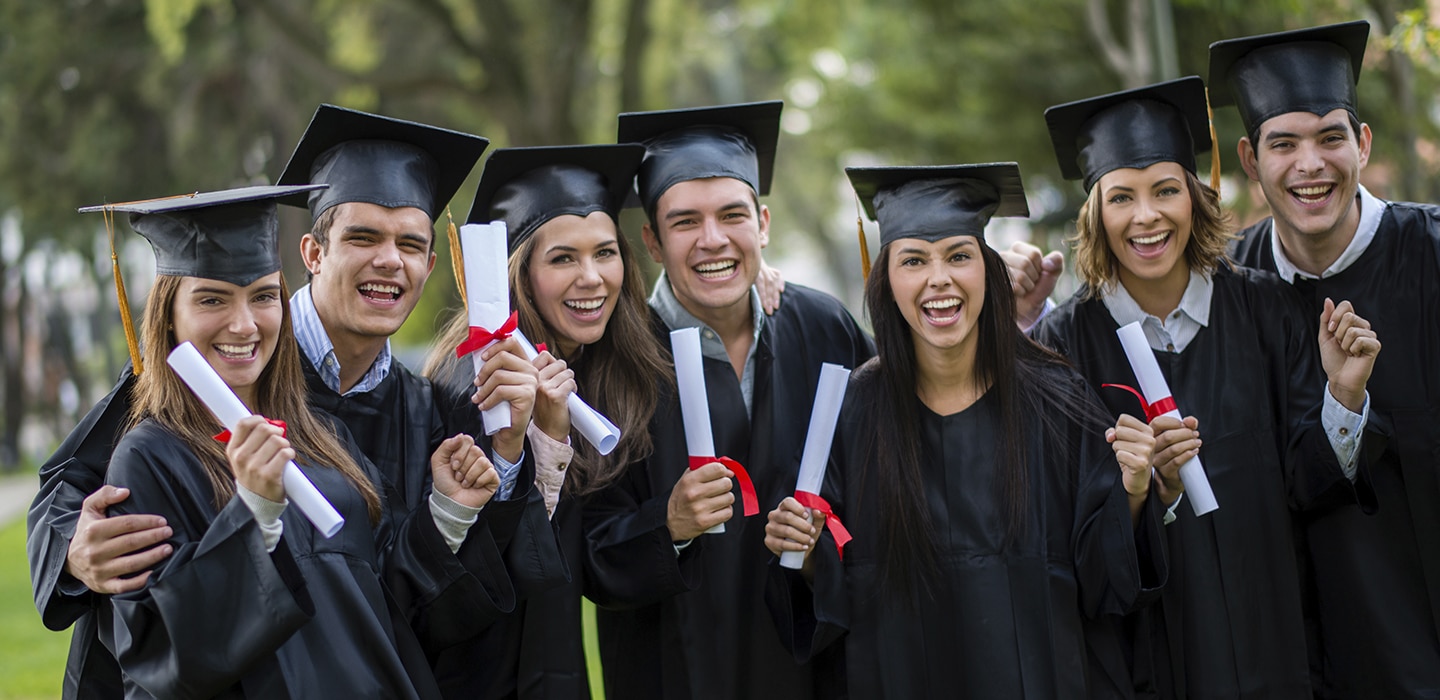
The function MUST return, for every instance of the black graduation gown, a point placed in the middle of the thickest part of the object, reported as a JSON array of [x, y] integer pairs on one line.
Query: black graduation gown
[[1378, 576], [1007, 618], [75, 471], [316, 618], [1229, 624], [695, 626]]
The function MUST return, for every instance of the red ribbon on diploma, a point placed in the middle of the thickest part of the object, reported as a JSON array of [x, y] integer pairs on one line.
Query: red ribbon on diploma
[[747, 487], [480, 337], [814, 502], [541, 348], [1152, 410], [224, 435]]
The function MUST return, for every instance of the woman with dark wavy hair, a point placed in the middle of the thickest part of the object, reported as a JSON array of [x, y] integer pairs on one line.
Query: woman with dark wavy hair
[[989, 515], [253, 601], [1241, 357]]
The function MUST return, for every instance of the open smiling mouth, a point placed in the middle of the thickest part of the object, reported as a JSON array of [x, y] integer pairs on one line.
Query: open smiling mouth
[[715, 270], [236, 352], [1149, 245], [585, 308], [1312, 195], [941, 310], [380, 292]]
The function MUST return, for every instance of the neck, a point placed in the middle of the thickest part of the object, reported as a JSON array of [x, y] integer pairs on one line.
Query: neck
[[355, 353], [1314, 253], [247, 396], [1158, 297], [945, 379], [736, 326]]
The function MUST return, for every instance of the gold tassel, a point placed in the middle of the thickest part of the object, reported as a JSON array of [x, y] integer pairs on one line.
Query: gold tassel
[[864, 247], [457, 258], [126, 319], [1214, 146]]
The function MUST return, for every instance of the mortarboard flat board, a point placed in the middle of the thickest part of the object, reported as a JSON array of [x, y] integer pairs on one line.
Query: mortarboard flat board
[[526, 187], [380, 160], [736, 141], [1165, 122], [1307, 70], [932, 202], [228, 235]]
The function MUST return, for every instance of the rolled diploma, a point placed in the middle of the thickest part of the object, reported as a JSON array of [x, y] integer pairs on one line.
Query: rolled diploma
[[222, 401], [1154, 387], [487, 296], [592, 424], [694, 402], [821, 433]]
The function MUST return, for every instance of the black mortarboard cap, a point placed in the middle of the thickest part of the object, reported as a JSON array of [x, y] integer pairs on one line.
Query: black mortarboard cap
[[230, 235], [394, 163], [1165, 122], [527, 187], [932, 202], [1308, 70], [736, 141]]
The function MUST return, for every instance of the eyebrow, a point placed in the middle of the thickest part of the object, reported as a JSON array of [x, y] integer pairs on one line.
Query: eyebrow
[[408, 236], [560, 247], [1324, 129], [969, 240], [676, 213]]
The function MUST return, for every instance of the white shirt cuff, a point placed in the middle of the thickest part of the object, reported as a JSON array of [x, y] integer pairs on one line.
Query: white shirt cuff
[[1170, 512], [680, 546], [552, 458], [1344, 428], [452, 519], [267, 515]]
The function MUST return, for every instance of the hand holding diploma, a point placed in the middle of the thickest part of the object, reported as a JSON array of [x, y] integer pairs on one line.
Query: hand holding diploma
[[202, 379], [592, 425], [829, 394], [699, 441]]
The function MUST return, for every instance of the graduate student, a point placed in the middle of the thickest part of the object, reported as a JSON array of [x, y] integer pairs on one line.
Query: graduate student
[[254, 601], [1377, 576], [577, 288], [971, 466], [690, 622], [368, 255], [1274, 416]]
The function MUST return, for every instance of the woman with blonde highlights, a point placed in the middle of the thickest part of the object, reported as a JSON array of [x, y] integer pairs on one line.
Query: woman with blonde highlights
[[1247, 372]]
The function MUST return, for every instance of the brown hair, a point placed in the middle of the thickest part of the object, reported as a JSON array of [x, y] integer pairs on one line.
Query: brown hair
[[160, 394], [616, 374], [1211, 231]]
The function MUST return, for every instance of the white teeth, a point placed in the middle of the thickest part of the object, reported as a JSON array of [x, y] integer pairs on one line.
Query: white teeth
[[236, 350], [381, 288], [1316, 191], [715, 266], [1147, 240], [587, 305], [942, 303]]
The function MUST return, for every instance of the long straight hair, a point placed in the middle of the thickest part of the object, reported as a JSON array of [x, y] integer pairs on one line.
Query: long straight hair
[[1008, 364], [281, 394], [620, 374]]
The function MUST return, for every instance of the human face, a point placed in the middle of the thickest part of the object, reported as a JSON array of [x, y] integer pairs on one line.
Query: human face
[[575, 277], [368, 276], [1147, 218], [235, 328], [940, 289], [1309, 168], [709, 242]]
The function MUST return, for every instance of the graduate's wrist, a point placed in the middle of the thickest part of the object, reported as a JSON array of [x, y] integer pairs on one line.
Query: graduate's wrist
[[1353, 400]]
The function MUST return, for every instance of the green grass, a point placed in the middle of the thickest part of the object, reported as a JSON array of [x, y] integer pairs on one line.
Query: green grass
[[32, 658]]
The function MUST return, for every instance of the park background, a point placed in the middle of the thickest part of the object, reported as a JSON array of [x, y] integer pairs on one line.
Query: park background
[[114, 100]]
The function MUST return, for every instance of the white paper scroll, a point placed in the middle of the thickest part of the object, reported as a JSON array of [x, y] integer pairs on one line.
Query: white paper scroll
[[592, 424], [694, 400], [823, 416], [487, 296], [1154, 387], [222, 401]]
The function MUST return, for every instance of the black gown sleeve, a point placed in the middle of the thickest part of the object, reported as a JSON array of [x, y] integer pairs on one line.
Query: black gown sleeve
[[220, 604]]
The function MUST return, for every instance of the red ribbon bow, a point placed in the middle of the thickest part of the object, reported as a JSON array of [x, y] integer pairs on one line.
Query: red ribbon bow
[[814, 502], [1152, 410], [541, 348], [480, 337], [224, 435], [747, 487]]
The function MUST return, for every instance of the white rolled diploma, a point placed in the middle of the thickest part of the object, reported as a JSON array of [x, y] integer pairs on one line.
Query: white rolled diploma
[[222, 401], [821, 433], [694, 400], [592, 424], [487, 296], [1155, 388]]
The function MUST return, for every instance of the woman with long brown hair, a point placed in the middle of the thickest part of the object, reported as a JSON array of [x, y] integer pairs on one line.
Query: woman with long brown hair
[[989, 516], [254, 602]]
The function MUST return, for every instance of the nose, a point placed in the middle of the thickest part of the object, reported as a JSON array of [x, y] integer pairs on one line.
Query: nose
[[242, 323], [387, 256], [589, 275], [711, 237], [1145, 210], [939, 276], [1308, 159]]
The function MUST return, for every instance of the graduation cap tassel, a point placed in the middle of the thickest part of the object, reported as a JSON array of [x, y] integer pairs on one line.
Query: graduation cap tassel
[[1214, 146], [864, 247], [457, 260], [126, 319]]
